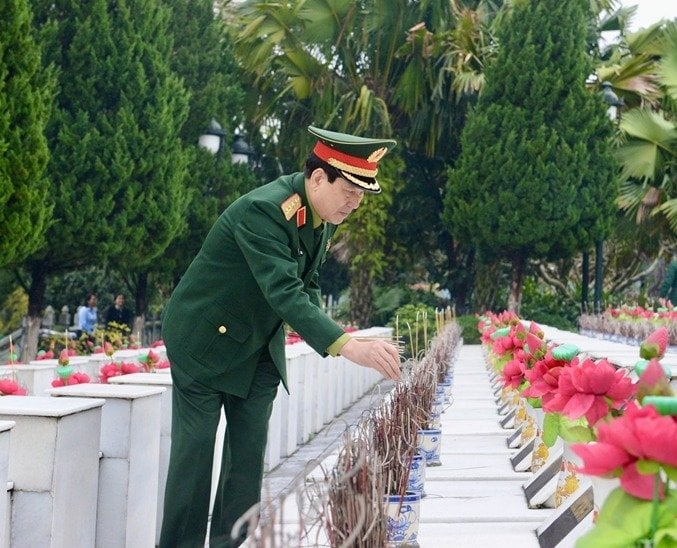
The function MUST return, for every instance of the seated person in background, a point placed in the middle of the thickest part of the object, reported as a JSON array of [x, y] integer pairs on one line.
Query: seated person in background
[[118, 316]]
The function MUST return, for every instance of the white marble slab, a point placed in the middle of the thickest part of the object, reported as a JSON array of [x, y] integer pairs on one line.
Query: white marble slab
[[487, 534], [475, 467]]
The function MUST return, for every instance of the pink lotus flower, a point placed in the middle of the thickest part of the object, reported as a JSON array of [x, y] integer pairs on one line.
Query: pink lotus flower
[[116, 369], [64, 357], [653, 381], [590, 389], [11, 388], [75, 378], [108, 349], [640, 434], [655, 345], [543, 378], [513, 373]]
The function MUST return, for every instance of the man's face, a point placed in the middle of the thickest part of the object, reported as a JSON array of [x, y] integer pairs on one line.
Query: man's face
[[119, 301], [333, 201]]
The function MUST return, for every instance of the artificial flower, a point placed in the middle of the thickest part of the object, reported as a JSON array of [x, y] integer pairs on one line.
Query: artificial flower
[[513, 373], [9, 387], [75, 378], [652, 381], [588, 388], [64, 357], [624, 446], [543, 378], [655, 345]]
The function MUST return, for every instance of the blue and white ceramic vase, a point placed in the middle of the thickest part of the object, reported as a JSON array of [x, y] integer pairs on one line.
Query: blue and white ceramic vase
[[417, 475], [446, 387], [402, 517], [429, 444], [436, 411]]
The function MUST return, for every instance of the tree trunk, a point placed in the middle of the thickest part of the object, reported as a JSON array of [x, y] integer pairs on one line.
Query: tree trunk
[[360, 298], [141, 306], [519, 266], [585, 281], [36, 304]]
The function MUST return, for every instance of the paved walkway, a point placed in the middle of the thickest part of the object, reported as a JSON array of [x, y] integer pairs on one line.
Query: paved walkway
[[474, 498]]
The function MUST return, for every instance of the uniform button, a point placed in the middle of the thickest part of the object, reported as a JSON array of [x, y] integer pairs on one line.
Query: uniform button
[[222, 329]]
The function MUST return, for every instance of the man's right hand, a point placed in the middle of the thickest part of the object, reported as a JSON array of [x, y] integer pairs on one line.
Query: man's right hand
[[376, 353]]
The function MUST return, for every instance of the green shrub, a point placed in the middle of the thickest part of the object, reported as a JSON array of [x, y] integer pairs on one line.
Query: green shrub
[[469, 332], [542, 305]]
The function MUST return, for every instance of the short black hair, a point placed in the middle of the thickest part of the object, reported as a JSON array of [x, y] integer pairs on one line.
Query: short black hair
[[313, 163]]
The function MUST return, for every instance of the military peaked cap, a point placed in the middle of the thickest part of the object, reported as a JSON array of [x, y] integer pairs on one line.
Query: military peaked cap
[[355, 158]]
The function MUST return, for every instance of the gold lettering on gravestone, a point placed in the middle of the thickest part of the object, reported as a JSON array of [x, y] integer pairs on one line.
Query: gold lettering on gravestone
[[540, 455], [581, 507]]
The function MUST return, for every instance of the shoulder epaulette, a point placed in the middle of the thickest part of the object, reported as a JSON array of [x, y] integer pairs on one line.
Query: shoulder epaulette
[[291, 205]]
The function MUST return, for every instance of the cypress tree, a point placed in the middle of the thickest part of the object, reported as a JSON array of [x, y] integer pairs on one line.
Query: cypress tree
[[26, 92], [117, 162], [203, 57], [535, 179]]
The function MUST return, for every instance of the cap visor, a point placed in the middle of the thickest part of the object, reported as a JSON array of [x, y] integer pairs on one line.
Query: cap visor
[[366, 184]]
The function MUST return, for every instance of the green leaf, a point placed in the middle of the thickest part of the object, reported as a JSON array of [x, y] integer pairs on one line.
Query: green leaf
[[648, 467], [624, 519], [535, 402], [575, 430], [551, 422]]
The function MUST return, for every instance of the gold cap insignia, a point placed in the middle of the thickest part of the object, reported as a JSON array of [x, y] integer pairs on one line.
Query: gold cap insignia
[[377, 154]]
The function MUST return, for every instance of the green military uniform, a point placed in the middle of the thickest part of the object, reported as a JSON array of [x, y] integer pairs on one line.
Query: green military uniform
[[223, 330]]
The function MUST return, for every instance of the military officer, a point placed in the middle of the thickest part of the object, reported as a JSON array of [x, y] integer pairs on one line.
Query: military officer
[[258, 268]]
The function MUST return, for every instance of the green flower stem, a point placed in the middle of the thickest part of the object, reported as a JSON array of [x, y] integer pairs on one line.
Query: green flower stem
[[654, 506]]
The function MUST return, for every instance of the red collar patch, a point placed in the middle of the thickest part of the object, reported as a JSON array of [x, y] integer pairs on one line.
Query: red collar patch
[[301, 217]]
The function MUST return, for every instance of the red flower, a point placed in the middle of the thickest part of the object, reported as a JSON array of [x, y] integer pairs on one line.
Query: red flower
[[64, 357], [11, 388], [543, 378], [640, 434], [116, 369], [75, 378], [655, 345], [653, 381], [513, 373], [590, 389], [108, 349], [129, 368]]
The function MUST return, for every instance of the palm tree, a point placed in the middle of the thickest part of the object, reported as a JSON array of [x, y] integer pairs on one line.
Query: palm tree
[[647, 79], [382, 67]]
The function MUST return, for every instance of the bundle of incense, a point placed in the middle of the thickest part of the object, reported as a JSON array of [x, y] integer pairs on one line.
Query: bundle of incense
[[399, 343]]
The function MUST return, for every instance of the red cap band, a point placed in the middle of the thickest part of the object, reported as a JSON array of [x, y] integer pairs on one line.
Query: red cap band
[[342, 160]]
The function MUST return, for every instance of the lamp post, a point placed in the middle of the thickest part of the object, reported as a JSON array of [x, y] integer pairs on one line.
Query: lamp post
[[213, 137], [241, 151], [213, 140], [613, 112], [613, 102]]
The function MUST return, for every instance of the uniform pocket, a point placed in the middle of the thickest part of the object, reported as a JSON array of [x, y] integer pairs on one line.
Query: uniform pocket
[[222, 338]]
